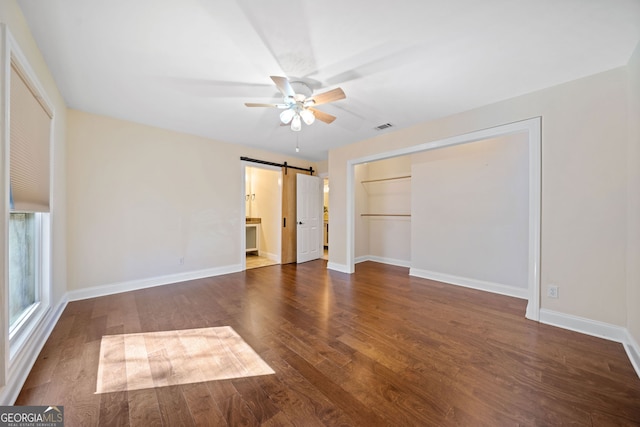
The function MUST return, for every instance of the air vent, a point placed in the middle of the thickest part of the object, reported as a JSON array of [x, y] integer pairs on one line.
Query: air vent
[[384, 126]]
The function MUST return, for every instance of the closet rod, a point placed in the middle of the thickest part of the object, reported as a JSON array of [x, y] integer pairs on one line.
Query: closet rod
[[386, 179], [282, 165]]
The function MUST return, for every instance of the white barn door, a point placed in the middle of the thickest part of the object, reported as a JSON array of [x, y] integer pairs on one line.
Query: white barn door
[[309, 213]]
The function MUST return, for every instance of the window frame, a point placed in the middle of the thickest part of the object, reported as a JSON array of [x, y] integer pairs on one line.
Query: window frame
[[15, 341], [14, 328], [25, 322]]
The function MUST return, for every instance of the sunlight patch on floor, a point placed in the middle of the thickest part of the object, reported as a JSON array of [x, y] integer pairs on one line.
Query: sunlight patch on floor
[[159, 359]]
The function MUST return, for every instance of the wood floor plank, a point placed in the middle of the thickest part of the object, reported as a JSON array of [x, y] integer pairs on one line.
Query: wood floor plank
[[114, 409], [80, 391], [33, 395], [112, 373], [261, 406], [377, 347], [174, 409], [144, 409], [298, 397], [351, 406], [237, 412], [199, 400], [138, 368]]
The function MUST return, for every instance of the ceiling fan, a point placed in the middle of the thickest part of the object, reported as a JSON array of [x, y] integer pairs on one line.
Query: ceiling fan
[[299, 102]]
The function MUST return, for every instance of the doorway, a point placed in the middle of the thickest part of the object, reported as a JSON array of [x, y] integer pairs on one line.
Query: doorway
[[263, 210]]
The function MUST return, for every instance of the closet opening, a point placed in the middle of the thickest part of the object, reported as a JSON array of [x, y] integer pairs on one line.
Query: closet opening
[[468, 207]]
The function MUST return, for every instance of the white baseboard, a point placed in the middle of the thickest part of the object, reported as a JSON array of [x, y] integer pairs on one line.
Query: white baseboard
[[25, 359], [342, 268], [496, 288], [595, 328], [270, 256], [583, 325], [383, 260], [633, 351], [133, 285]]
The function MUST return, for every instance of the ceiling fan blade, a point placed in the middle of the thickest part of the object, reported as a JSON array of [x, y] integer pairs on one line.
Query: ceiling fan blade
[[283, 86], [256, 104], [330, 96], [322, 116]]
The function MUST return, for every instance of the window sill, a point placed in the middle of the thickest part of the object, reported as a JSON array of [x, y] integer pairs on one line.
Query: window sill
[[24, 330]]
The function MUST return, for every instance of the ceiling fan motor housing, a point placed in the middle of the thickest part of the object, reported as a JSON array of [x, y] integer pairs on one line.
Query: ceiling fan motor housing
[[302, 90]]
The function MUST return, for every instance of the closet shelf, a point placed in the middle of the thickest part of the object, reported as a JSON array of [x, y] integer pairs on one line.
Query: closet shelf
[[371, 214], [385, 179]]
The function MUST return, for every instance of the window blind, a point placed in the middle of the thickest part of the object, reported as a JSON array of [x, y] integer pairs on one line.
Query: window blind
[[29, 129]]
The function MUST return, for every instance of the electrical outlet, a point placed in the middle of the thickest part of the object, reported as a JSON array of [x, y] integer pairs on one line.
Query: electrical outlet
[[552, 291], [181, 260]]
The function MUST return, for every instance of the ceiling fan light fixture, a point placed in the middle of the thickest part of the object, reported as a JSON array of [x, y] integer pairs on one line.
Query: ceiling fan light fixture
[[287, 115], [299, 103], [307, 116], [296, 124]]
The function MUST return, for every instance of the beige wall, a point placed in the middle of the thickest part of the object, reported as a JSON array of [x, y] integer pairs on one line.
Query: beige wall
[[470, 211], [323, 167], [633, 192], [140, 198], [584, 186]]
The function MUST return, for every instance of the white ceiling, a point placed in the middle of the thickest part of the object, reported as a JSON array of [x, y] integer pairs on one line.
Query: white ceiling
[[190, 65]]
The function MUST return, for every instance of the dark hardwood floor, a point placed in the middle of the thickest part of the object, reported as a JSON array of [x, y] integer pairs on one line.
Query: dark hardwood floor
[[374, 348]]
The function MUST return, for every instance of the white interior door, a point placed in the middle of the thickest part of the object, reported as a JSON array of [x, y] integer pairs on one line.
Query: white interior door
[[309, 213]]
